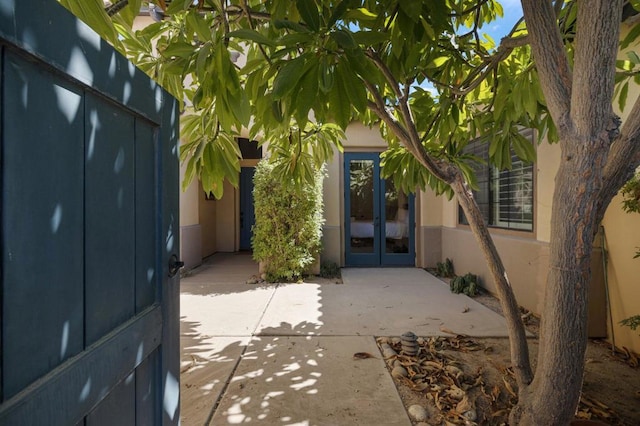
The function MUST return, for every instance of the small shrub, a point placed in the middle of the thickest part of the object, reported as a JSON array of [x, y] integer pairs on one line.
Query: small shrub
[[631, 322], [330, 270], [445, 269], [631, 195], [288, 223], [467, 284]]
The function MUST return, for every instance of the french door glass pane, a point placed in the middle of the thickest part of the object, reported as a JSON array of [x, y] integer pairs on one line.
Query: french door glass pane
[[396, 226], [361, 214]]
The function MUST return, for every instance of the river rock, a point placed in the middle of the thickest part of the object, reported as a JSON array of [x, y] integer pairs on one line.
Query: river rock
[[399, 372], [387, 351], [418, 413], [409, 344]]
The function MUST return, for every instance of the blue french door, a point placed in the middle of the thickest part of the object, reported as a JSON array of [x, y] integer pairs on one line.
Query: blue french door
[[379, 218]]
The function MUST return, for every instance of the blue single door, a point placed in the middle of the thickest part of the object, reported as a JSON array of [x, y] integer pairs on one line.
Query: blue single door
[[379, 225], [247, 213], [89, 245]]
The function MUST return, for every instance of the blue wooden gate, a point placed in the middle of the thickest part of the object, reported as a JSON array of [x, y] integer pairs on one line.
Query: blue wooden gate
[[89, 222]]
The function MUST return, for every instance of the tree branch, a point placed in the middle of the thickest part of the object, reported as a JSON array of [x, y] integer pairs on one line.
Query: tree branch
[[518, 338], [596, 49], [439, 169], [116, 7], [624, 158], [551, 60], [480, 73], [386, 72], [248, 12], [470, 10]]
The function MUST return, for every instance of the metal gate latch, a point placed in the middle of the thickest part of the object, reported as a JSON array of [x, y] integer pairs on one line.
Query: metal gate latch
[[174, 265]]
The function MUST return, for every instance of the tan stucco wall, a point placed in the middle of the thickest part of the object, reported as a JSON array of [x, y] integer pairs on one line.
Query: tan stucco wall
[[546, 169], [188, 201], [525, 259], [333, 202], [207, 210], [227, 220], [190, 232], [623, 237], [524, 254], [362, 138]]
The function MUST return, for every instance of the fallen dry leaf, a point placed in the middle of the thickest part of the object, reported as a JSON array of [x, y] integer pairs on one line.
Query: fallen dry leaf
[[507, 385], [448, 331], [362, 355], [464, 405]]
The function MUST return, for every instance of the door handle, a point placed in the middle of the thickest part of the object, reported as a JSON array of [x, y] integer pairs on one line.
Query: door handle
[[174, 265]]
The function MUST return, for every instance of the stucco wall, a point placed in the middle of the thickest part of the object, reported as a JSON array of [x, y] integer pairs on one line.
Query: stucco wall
[[227, 220], [333, 202], [547, 165], [623, 239], [190, 232], [207, 210]]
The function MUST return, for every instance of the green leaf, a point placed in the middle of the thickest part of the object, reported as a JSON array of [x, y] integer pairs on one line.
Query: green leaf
[[288, 77], [325, 75], [344, 39], [276, 110], [309, 13], [93, 14], [340, 107], [289, 25], [631, 37], [361, 14], [412, 8], [252, 35], [294, 39], [178, 6], [438, 62], [353, 87], [180, 49], [523, 148], [622, 99], [199, 25], [129, 12], [369, 38], [189, 174], [202, 60], [338, 12], [624, 65], [308, 93]]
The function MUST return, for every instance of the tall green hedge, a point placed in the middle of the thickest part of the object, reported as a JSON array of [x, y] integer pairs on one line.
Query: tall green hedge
[[288, 223]]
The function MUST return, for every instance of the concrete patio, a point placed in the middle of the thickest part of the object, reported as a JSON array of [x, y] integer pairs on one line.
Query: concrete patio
[[283, 353]]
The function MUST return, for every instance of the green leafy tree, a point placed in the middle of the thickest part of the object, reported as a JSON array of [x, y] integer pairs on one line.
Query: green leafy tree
[[423, 72]]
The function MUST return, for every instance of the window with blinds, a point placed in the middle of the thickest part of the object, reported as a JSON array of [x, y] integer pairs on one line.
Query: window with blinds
[[505, 197]]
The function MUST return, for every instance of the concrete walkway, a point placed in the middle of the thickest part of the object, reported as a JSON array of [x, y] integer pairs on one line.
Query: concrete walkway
[[282, 354]]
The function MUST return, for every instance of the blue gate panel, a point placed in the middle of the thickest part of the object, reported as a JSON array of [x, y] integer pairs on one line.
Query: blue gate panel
[[118, 408], [146, 220], [147, 391], [42, 203], [89, 331], [109, 216]]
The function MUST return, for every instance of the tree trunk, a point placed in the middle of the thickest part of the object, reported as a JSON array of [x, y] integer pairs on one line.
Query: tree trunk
[[555, 391], [580, 104], [517, 337]]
